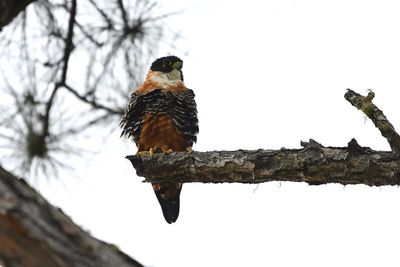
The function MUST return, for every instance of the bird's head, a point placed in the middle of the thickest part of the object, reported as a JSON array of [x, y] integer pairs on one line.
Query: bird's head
[[169, 64]]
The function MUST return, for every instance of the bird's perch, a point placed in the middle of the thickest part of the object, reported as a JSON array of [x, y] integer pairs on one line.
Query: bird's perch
[[313, 163], [34, 233]]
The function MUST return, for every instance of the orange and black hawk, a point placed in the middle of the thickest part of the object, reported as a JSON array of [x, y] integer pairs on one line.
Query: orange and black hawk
[[162, 115]]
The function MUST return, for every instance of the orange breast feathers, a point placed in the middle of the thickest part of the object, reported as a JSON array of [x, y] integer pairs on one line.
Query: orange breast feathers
[[158, 80], [159, 131]]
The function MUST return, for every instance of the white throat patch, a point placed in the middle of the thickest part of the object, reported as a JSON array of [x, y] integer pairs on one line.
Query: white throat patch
[[167, 79]]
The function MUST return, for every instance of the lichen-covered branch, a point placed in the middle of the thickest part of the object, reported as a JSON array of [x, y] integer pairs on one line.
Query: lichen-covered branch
[[364, 103], [34, 233], [313, 164]]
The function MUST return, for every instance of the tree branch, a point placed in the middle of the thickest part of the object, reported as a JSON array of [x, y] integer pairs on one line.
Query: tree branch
[[376, 115], [92, 102], [69, 46], [34, 233], [313, 163], [121, 7]]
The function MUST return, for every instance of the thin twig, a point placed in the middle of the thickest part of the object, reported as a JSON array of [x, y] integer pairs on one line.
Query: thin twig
[[110, 24], [123, 13], [93, 103], [67, 53]]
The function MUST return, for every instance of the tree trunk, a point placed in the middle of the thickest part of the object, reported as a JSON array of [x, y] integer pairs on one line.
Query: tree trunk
[[33, 233], [9, 9]]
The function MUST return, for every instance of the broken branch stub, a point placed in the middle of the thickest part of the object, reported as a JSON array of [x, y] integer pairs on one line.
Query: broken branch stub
[[364, 103]]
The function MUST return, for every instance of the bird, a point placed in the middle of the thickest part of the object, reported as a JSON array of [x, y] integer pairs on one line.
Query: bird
[[162, 116]]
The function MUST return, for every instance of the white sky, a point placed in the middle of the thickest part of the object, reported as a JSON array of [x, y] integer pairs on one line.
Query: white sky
[[267, 74]]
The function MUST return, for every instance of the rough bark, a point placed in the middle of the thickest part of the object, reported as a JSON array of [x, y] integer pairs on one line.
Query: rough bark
[[313, 163], [9, 9], [34, 233], [364, 103]]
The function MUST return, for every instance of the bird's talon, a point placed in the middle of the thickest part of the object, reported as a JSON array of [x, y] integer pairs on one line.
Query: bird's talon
[[189, 149], [152, 150], [141, 153]]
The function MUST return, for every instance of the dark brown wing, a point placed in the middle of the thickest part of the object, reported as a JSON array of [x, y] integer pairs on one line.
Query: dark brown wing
[[184, 115], [181, 106]]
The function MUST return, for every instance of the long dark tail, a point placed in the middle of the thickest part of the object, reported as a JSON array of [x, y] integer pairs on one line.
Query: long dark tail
[[168, 196]]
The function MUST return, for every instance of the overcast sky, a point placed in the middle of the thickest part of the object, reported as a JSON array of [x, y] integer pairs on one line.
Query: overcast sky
[[267, 74]]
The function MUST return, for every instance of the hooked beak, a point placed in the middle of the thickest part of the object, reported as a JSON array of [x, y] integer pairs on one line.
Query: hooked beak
[[177, 65]]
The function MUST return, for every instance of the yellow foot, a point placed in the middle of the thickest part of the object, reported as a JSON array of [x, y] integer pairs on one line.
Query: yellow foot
[[169, 151], [141, 153], [189, 149], [151, 152]]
